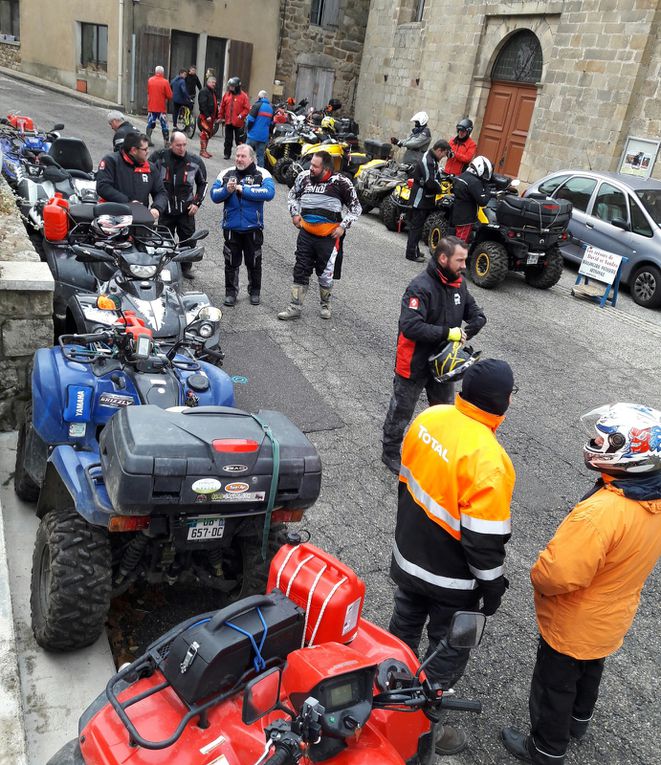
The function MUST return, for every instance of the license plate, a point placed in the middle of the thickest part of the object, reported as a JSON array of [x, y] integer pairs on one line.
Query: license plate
[[533, 258], [201, 528]]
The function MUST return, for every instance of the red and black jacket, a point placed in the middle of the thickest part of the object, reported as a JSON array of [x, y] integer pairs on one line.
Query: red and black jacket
[[184, 179], [119, 179], [431, 306]]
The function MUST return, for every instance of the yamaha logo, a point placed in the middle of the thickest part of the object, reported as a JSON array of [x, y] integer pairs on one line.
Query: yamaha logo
[[235, 468]]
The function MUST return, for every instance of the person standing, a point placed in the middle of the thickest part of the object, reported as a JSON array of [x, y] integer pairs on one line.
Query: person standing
[[193, 83], [316, 204], [426, 185], [470, 193], [258, 125], [180, 96], [243, 189], [121, 126], [587, 581], [453, 522], [234, 108], [184, 177], [418, 140], [463, 148], [209, 119], [158, 94], [434, 307]]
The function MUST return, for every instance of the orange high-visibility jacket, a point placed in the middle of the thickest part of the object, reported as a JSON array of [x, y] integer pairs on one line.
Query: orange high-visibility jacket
[[588, 579]]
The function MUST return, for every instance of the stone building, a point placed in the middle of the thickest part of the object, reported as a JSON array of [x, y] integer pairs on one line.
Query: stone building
[[561, 83], [320, 49]]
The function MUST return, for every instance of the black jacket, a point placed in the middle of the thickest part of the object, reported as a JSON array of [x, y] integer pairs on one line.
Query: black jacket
[[430, 309], [120, 134], [208, 102], [119, 179], [192, 84], [469, 193], [184, 179], [426, 183]]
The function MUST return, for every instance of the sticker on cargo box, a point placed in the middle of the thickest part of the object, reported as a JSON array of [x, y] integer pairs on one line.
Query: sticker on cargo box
[[206, 485], [221, 496], [351, 616], [235, 468], [77, 429], [238, 487]]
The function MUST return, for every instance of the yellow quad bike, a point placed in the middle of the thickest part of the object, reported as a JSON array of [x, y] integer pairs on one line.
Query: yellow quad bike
[[374, 180], [345, 159], [395, 207]]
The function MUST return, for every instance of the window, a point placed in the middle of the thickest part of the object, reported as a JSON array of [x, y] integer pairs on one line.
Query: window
[[548, 187], [325, 13], [639, 223], [610, 203], [520, 60], [9, 21], [94, 46], [651, 199], [419, 10], [578, 191]]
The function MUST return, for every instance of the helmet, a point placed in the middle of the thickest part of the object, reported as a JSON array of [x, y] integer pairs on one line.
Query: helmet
[[466, 125], [328, 123], [627, 440], [482, 167], [234, 82], [110, 226], [452, 361], [421, 117]]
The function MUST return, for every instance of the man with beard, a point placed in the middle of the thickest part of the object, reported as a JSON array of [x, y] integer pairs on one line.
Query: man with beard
[[434, 307], [463, 148], [244, 189], [316, 203]]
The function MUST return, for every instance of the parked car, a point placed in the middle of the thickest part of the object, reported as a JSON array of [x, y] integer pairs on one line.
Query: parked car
[[618, 213]]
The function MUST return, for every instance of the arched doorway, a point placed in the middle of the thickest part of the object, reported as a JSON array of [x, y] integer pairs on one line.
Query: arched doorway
[[511, 102]]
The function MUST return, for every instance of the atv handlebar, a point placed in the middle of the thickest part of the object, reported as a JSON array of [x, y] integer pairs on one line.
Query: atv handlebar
[[461, 705]]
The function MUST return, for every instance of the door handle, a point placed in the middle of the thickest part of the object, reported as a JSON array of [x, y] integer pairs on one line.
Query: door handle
[[588, 225]]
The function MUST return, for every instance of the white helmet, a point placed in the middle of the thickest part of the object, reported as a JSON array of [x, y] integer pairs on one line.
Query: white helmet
[[482, 167], [627, 440], [421, 117]]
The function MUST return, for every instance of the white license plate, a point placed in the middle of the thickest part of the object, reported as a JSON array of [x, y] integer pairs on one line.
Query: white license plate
[[202, 528], [533, 258]]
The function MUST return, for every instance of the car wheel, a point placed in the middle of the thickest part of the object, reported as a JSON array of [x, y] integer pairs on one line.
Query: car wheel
[[488, 265], [646, 286]]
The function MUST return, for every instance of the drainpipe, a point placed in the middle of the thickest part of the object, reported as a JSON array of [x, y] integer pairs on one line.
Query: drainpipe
[[120, 51]]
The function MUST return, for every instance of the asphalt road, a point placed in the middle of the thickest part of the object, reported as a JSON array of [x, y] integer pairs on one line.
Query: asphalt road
[[568, 356]]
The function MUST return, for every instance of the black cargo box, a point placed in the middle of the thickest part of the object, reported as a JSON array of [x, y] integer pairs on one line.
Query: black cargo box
[[211, 656], [345, 125], [378, 149], [183, 461], [533, 212]]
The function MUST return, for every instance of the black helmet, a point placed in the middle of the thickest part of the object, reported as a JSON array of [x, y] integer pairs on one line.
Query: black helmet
[[234, 82], [466, 125], [452, 361]]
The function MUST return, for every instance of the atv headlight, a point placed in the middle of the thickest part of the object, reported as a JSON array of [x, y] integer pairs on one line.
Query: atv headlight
[[205, 330], [143, 272]]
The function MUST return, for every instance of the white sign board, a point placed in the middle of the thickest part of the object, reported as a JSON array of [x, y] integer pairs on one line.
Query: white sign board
[[600, 265]]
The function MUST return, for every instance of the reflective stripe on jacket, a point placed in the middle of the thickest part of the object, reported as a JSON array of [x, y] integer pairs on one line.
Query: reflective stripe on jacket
[[453, 515], [589, 578]]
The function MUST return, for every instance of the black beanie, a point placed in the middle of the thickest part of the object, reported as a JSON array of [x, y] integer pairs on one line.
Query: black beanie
[[488, 385]]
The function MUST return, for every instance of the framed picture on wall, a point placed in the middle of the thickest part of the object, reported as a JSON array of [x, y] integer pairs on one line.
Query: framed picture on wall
[[638, 157]]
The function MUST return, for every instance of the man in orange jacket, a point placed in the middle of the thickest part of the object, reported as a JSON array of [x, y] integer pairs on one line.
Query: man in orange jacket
[[589, 578], [234, 108], [453, 521], [158, 93]]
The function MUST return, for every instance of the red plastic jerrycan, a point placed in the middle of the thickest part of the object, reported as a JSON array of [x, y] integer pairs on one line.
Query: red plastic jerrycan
[[330, 593], [56, 218]]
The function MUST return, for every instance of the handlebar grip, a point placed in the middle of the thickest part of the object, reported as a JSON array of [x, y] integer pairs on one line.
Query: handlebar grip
[[280, 757], [94, 337], [461, 705]]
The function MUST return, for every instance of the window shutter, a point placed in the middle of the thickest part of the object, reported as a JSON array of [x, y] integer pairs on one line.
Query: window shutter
[[330, 16]]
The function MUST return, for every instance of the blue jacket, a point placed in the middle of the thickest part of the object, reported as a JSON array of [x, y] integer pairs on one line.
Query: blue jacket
[[180, 92], [245, 211], [258, 121]]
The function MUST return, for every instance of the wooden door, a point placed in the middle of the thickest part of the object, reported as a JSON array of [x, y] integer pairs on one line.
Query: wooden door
[[183, 52], [153, 50], [506, 123], [240, 62], [316, 84]]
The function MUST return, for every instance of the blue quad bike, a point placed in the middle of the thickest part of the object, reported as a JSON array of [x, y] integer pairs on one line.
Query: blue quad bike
[[142, 469]]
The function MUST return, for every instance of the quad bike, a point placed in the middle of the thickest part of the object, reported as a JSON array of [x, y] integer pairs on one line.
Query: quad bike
[[284, 149], [375, 180], [21, 142], [518, 234], [258, 683], [142, 470]]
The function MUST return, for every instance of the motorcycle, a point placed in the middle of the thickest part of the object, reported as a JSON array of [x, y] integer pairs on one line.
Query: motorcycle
[[142, 470], [251, 684]]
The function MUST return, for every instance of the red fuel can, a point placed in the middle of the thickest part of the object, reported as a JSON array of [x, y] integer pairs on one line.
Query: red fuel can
[[56, 219], [330, 593]]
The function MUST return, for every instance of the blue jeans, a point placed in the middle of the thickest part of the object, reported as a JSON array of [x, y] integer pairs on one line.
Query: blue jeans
[[259, 147]]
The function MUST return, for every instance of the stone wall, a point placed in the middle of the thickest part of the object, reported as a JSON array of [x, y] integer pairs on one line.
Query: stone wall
[[600, 80], [10, 54], [339, 48], [26, 308]]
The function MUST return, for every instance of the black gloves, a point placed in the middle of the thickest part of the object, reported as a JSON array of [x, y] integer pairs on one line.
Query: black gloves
[[492, 593]]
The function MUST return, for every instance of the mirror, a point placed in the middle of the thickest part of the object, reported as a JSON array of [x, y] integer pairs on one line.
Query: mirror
[[59, 126], [620, 223], [210, 313], [202, 233], [261, 696], [109, 302], [466, 629]]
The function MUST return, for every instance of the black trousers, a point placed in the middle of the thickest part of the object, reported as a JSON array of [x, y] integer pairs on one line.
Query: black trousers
[[318, 254], [233, 133], [409, 616], [563, 694], [182, 226], [405, 395], [415, 223], [246, 246]]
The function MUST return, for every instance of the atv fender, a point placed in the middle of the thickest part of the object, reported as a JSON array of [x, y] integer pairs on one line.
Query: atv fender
[[75, 476]]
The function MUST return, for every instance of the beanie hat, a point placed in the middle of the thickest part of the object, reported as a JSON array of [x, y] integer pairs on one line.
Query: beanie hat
[[488, 385]]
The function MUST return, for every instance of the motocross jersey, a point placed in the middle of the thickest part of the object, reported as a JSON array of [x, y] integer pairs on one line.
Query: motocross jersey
[[453, 516], [320, 203]]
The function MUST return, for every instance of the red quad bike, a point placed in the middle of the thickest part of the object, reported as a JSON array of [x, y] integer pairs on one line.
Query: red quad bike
[[296, 675]]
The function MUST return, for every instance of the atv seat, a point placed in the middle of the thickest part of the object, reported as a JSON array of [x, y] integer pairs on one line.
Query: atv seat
[[72, 154]]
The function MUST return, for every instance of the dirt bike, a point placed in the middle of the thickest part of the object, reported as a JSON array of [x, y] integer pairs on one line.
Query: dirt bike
[[275, 679]]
